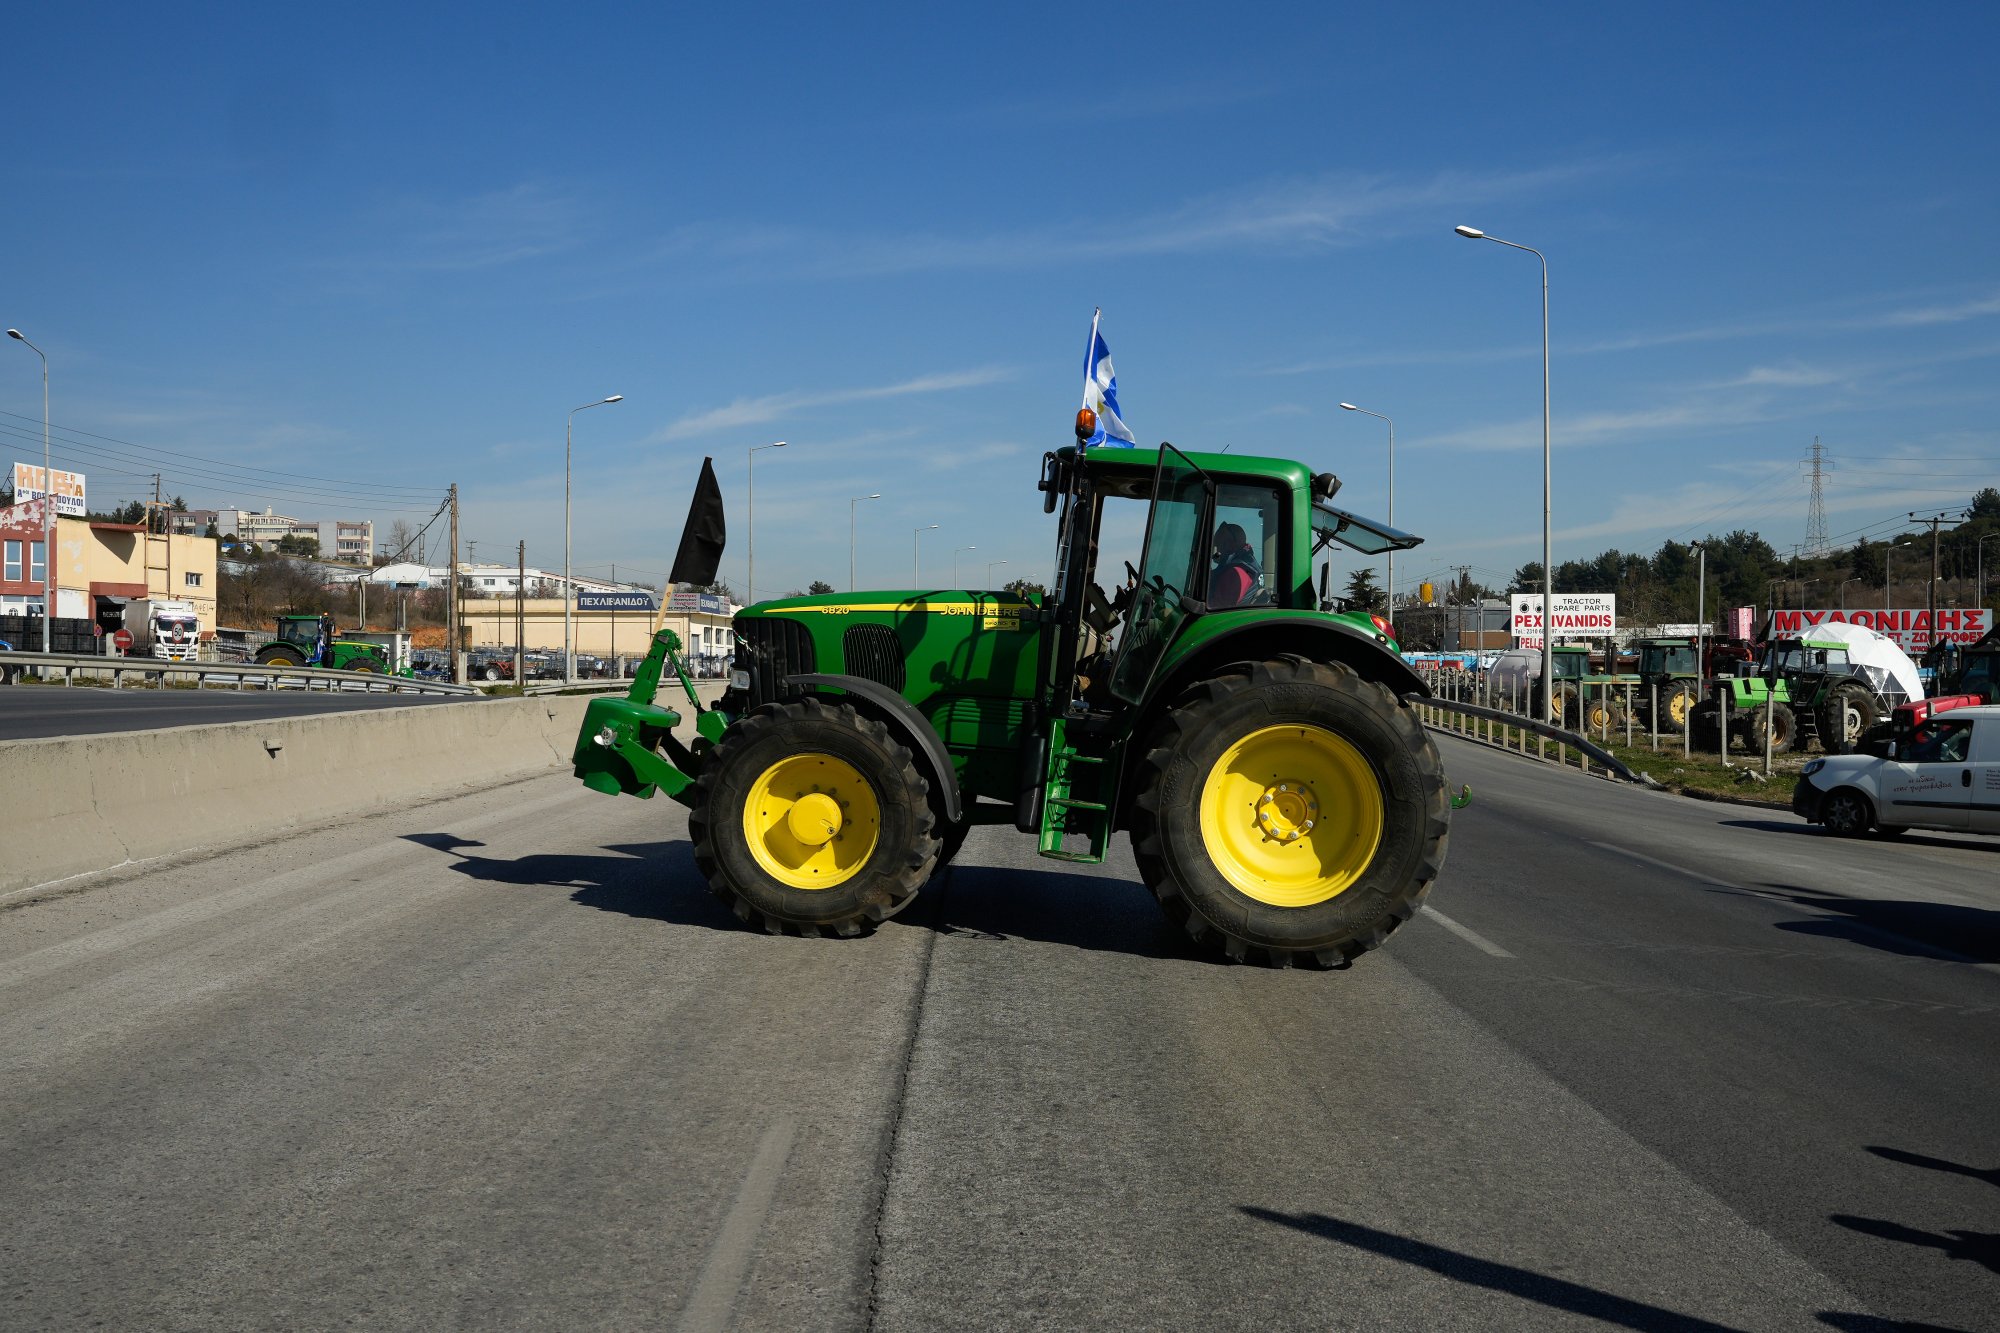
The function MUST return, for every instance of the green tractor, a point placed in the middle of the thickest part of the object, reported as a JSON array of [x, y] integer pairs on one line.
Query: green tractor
[[1673, 668], [1247, 732], [311, 641], [1815, 694], [1966, 668]]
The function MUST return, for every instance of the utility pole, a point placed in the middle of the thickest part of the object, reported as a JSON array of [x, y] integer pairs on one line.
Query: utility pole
[[451, 597], [1930, 590], [520, 614]]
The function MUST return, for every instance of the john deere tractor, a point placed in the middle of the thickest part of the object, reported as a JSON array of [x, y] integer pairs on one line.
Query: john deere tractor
[[1671, 667], [310, 640], [1283, 801]]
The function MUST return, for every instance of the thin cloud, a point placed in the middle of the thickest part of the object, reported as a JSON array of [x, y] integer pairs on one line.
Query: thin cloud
[[1957, 312], [777, 406], [1285, 216], [492, 229]]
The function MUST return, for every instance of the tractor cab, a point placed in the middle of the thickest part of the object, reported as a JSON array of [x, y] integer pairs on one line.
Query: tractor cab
[[1966, 668], [1662, 659]]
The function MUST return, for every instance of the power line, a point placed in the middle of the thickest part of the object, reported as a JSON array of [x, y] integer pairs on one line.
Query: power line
[[68, 431]]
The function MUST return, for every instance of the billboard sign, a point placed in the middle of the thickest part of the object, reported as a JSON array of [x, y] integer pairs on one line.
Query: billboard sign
[[28, 485], [1910, 629], [698, 603], [1575, 615], [616, 601]]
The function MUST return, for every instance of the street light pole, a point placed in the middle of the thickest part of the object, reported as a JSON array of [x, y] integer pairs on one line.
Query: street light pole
[[1548, 567], [1981, 582], [954, 563], [989, 572], [569, 589], [750, 467], [1701, 613], [917, 548], [1392, 508], [1843, 591], [850, 534], [1892, 546], [48, 507]]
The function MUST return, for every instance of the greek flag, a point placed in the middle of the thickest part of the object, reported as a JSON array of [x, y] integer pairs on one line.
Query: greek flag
[[1100, 393]]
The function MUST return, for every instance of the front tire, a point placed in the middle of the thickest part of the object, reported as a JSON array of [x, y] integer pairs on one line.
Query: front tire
[[1846, 813], [1290, 810], [810, 817]]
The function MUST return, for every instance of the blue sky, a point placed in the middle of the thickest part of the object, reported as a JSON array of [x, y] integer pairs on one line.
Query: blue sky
[[393, 246]]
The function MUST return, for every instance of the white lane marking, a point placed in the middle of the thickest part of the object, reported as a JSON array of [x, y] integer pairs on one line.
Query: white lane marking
[[1466, 933], [714, 1294], [1806, 913], [1656, 862]]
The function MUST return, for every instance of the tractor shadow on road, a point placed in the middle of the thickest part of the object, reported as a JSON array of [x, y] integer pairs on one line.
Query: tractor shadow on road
[[653, 880], [658, 882], [1943, 931]]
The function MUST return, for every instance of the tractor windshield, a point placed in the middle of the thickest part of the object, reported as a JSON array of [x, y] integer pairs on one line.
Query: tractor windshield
[[1572, 666], [1172, 571]]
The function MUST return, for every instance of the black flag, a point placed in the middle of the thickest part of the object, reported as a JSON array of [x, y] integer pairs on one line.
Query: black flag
[[703, 537]]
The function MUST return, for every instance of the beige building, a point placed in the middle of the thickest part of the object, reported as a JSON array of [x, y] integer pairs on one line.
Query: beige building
[[101, 566], [490, 623]]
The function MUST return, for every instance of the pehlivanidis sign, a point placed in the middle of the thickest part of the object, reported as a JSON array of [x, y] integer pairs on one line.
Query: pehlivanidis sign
[[616, 601], [1910, 628], [1575, 615]]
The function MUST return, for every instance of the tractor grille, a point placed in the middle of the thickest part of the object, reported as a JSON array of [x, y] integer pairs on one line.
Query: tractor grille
[[874, 653], [771, 648]]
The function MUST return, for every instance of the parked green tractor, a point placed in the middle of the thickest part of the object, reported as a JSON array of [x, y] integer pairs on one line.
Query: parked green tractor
[[1283, 800], [1671, 667], [1816, 694], [310, 640]]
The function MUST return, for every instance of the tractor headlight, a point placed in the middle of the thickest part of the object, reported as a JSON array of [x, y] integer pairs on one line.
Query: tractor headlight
[[1812, 766], [739, 680]]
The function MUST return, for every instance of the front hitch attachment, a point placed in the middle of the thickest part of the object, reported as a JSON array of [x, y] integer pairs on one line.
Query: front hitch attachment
[[619, 747]]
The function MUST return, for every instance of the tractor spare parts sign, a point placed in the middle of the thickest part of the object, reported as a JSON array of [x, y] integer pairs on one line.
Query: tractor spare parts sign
[[28, 485], [1575, 615], [1911, 628]]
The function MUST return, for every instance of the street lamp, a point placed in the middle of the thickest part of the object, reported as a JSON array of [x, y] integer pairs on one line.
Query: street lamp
[[1701, 612], [954, 563], [917, 545], [48, 507], [989, 571], [750, 467], [850, 534], [1548, 568], [1892, 546], [1350, 407], [1843, 591], [569, 589]]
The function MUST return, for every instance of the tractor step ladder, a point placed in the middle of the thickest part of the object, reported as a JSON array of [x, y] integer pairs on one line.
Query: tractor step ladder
[[1063, 813]]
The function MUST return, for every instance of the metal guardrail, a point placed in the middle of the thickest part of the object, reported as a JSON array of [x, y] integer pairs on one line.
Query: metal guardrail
[[207, 675]]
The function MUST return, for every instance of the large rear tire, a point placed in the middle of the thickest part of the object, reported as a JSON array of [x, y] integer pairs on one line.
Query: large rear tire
[[1844, 718], [810, 817], [1290, 811], [280, 657]]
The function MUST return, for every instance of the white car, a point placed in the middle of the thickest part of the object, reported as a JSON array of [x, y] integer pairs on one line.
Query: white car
[[1945, 774]]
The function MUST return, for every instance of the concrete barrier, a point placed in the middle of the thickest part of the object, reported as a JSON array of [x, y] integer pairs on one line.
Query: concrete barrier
[[86, 803]]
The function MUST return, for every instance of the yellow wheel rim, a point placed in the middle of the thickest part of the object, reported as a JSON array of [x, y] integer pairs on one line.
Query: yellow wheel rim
[[1677, 707], [812, 821], [1292, 815]]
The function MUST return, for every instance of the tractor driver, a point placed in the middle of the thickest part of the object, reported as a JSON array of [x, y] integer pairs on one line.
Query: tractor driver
[[1236, 573]]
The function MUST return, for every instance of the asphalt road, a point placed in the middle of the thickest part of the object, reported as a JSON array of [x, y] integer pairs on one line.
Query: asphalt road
[[32, 711], [501, 1062]]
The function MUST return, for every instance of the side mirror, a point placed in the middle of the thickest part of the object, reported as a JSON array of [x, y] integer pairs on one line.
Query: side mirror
[[1325, 571]]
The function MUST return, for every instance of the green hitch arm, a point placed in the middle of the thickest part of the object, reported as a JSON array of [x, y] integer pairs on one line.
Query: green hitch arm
[[665, 652]]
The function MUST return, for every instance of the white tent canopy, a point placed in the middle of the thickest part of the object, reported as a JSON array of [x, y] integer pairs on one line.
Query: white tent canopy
[[1867, 648]]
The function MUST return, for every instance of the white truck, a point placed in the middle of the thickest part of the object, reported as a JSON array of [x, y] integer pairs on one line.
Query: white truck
[[163, 627]]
